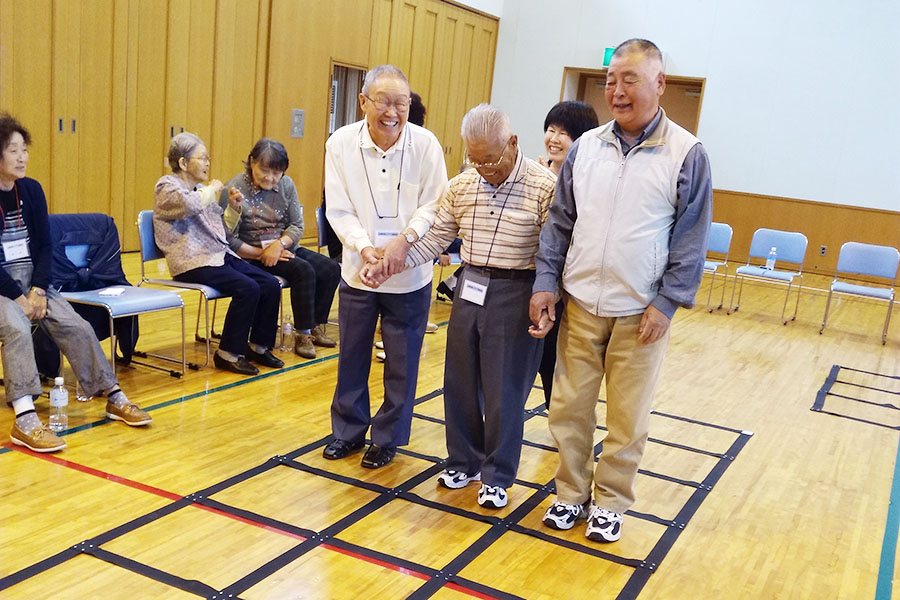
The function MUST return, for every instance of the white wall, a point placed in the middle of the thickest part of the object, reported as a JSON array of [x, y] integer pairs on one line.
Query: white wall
[[491, 7], [802, 97]]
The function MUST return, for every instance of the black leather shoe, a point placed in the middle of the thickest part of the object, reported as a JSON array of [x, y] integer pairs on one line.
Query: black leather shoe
[[377, 457], [444, 293], [340, 449], [266, 359], [240, 366]]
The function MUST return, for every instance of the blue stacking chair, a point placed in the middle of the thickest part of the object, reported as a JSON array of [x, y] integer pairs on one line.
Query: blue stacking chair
[[873, 261], [122, 301], [790, 247], [719, 244], [150, 252]]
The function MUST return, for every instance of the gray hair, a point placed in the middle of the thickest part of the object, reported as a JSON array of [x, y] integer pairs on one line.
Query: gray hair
[[485, 122], [183, 146], [382, 71], [637, 46]]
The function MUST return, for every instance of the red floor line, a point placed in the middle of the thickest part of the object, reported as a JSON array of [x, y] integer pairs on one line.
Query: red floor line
[[172, 496]]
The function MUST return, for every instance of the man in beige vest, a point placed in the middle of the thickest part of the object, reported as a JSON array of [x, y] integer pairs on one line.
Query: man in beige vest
[[624, 245]]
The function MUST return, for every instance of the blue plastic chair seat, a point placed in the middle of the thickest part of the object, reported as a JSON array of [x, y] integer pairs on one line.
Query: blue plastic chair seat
[[862, 290], [787, 276], [210, 292], [132, 300], [711, 265]]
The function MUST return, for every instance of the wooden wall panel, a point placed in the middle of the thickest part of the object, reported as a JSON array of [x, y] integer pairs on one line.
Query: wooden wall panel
[[235, 98], [823, 224], [91, 102], [380, 39], [146, 134], [118, 121], [304, 40], [25, 76]]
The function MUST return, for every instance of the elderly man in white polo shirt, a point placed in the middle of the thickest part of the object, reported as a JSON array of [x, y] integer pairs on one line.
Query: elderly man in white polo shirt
[[383, 180]]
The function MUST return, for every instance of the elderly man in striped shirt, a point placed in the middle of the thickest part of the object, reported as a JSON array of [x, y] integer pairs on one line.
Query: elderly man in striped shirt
[[497, 207]]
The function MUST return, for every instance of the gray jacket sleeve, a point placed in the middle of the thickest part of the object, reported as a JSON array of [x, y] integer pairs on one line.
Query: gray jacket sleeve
[[556, 234], [690, 234]]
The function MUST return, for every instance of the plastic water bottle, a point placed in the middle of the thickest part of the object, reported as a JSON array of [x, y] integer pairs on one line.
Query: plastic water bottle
[[59, 402], [287, 334], [770, 260]]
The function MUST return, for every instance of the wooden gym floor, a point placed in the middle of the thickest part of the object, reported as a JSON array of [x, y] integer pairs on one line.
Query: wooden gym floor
[[744, 491]]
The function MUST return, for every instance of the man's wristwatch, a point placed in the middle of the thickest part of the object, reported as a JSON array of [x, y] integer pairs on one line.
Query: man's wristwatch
[[411, 236]]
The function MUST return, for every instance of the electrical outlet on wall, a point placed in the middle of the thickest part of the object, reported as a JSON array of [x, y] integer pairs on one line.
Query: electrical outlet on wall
[[298, 118], [823, 249]]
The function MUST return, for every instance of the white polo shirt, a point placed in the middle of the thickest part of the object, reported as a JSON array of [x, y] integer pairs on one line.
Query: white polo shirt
[[373, 195]]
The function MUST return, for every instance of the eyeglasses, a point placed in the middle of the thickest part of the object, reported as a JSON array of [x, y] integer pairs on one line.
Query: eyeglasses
[[401, 106], [205, 158], [488, 165]]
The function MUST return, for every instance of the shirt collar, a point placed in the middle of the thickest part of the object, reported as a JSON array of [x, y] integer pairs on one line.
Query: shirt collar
[[365, 140], [648, 130], [254, 190]]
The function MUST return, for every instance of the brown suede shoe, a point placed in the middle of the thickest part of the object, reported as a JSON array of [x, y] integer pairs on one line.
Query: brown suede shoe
[[128, 413], [40, 439], [303, 345], [320, 339]]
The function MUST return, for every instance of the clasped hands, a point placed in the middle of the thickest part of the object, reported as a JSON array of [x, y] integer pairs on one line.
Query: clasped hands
[[33, 305], [379, 264]]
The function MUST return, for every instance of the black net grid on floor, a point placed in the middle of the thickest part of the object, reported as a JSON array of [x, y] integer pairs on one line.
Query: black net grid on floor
[[433, 579], [859, 395]]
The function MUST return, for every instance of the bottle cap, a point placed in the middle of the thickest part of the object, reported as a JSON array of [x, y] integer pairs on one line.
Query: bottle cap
[[59, 381]]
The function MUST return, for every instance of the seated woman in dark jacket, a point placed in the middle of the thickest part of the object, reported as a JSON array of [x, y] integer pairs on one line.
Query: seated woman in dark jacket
[[26, 297], [267, 234], [189, 229]]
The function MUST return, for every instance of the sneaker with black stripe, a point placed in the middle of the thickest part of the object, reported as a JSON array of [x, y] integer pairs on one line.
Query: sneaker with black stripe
[[563, 516], [603, 525], [492, 496], [457, 479]]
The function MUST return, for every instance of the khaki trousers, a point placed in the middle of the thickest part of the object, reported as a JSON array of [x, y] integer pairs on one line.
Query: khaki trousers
[[589, 347]]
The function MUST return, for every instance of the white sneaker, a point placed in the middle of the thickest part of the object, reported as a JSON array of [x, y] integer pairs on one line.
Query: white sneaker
[[381, 356], [457, 479], [379, 344], [603, 525], [563, 516], [492, 496], [431, 327]]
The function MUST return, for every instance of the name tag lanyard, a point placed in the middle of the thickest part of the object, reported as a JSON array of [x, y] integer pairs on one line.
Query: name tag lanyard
[[18, 204], [500, 216], [399, 179]]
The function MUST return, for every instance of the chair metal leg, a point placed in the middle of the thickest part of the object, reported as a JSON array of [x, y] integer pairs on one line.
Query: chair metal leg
[[827, 306], [887, 321], [112, 344], [784, 306], [712, 282], [797, 303], [183, 361], [732, 308], [724, 285]]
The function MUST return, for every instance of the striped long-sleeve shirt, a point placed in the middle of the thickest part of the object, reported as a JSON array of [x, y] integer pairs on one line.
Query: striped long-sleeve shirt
[[500, 226]]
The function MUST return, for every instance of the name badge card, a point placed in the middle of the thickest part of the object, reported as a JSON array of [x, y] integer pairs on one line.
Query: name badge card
[[266, 239], [475, 286], [383, 237], [15, 249]]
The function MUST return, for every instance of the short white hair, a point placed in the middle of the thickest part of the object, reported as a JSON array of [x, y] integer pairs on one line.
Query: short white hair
[[380, 71], [183, 146], [485, 122]]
